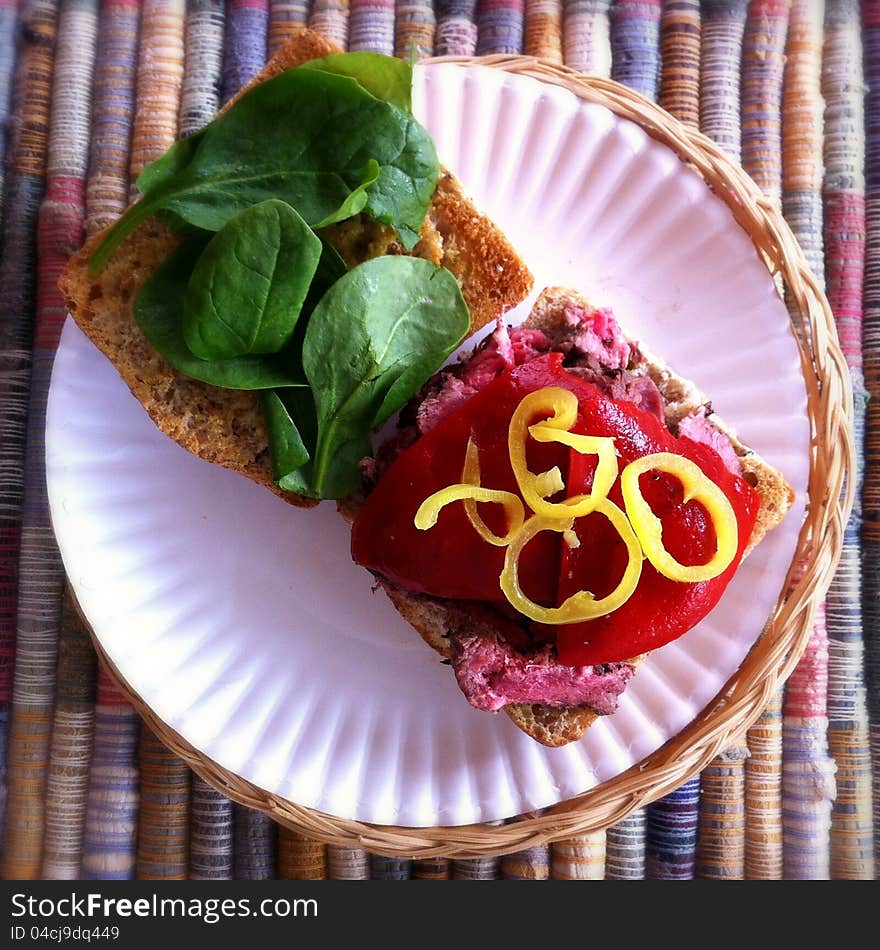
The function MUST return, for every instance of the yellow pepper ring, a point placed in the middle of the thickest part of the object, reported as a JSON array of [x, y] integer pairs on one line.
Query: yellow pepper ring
[[582, 605], [430, 508], [649, 528], [549, 483], [559, 407], [470, 475], [603, 480]]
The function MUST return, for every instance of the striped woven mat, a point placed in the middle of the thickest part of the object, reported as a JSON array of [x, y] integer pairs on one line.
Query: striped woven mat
[[92, 91]]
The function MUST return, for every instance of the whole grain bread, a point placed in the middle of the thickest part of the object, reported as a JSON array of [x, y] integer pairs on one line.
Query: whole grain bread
[[226, 426], [439, 621]]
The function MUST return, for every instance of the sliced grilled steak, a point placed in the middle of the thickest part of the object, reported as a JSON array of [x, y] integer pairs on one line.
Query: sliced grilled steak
[[492, 673]]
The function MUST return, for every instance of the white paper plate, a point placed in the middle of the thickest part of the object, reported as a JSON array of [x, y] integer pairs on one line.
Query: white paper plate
[[242, 621]]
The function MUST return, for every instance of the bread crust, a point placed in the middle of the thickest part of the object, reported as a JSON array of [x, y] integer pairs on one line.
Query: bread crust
[[226, 426]]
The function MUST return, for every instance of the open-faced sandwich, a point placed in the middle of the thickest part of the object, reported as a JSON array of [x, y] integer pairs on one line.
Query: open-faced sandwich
[[196, 294], [554, 506], [547, 510]]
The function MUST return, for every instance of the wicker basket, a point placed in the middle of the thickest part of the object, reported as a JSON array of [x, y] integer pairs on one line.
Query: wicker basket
[[830, 410]]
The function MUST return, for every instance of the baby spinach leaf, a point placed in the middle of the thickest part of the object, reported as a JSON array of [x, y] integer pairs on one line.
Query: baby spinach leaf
[[308, 137], [158, 309], [287, 449], [165, 169], [376, 336], [249, 284], [292, 419], [357, 200], [386, 77], [290, 424], [408, 181], [330, 268]]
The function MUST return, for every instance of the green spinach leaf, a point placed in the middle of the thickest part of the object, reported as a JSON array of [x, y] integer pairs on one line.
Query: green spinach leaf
[[387, 78], [330, 268], [287, 449], [290, 423], [248, 286], [409, 180], [357, 200], [290, 413], [158, 308], [317, 140], [376, 336]]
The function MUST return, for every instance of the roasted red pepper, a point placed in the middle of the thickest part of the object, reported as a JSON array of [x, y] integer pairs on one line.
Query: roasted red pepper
[[451, 560]]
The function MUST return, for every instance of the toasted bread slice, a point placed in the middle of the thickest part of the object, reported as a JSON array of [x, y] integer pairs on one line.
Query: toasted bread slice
[[437, 620], [226, 426]]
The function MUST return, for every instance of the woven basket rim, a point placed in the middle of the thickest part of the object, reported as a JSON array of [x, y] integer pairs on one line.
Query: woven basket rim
[[775, 654]]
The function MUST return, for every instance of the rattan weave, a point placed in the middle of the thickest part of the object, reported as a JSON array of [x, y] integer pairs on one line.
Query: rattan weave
[[830, 410]]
